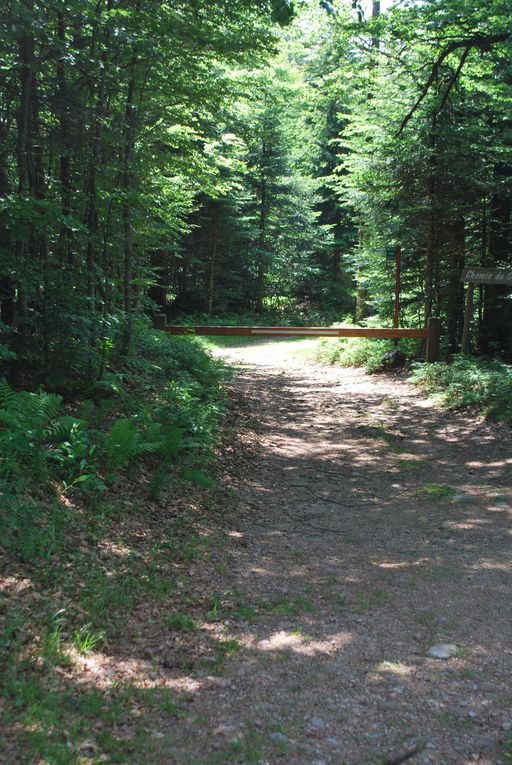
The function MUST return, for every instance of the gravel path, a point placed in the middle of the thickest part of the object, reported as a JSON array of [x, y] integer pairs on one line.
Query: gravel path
[[370, 527]]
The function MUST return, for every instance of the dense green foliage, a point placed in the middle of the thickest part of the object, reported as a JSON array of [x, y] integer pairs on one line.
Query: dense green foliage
[[163, 405], [76, 476], [110, 130], [396, 125], [373, 355], [439, 184], [255, 161], [199, 157], [485, 386]]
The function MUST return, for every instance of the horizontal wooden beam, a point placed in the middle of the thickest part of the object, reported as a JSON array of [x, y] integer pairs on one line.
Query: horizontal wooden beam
[[382, 332]]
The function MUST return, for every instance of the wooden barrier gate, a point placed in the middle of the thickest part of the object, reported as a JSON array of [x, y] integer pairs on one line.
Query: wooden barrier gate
[[431, 333]]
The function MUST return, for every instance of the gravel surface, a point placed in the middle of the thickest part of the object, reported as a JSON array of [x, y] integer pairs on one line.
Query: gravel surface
[[369, 558]]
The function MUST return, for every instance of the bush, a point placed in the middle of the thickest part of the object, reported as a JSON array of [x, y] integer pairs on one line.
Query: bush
[[370, 353], [288, 315], [167, 402], [34, 435], [483, 384]]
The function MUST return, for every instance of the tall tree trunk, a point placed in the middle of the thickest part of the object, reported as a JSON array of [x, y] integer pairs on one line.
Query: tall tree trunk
[[483, 263], [40, 238], [64, 247], [496, 327], [213, 259], [7, 286], [126, 183], [262, 235], [26, 56], [361, 291], [95, 152], [432, 254], [24, 149], [337, 252], [455, 289]]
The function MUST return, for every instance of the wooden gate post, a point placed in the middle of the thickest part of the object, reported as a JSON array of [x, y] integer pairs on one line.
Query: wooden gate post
[[432, 351], [159, 320]]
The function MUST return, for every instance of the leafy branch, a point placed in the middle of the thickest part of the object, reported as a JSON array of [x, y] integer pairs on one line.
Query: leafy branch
[[481, 42]]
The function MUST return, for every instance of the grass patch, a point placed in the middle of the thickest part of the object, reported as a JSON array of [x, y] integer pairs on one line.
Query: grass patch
[[298, 348], [230, 605], [374, 599], [250, 749], [71, 726], [229, 647], [180, 622], [436, 491], [506, 748], [54, 717], [380, 433], [85, 639], [289, 606], [469, 382], [408, 463], [341, 599]]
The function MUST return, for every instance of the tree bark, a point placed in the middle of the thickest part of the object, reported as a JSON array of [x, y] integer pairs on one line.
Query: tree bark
[[213, 260], [455, 289], [362, 292], [127, 188], [495, 331], [26, 50], [7, 286], [64, 144], [432, 255], [95, 153], [262, 232]]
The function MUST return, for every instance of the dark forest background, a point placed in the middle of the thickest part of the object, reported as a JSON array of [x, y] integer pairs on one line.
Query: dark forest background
[[232, 158]]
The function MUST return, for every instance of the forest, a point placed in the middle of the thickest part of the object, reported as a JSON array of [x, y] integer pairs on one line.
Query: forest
[[241, 158], [217, 162]]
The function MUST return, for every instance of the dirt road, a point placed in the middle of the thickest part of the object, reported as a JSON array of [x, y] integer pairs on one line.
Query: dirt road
[[370, 528]]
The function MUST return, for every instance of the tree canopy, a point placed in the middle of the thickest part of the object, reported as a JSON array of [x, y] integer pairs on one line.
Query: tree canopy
[[216, 157]]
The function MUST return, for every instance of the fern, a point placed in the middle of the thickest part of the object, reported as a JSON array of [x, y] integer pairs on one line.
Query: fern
[[6, 394], [173, 443], [37, 409], [23, 419], [62, 428], [197, 477], [122, 443], [8, 419]]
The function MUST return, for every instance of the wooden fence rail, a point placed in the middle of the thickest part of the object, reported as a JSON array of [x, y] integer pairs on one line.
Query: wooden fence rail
[[431, 333]]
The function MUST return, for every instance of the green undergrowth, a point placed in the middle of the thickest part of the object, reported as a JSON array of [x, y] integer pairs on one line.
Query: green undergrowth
[[436, 491], [482, 384], [158, 406], [90, 541], [82, 604], [506, 748], [285, 315], [372, 354]]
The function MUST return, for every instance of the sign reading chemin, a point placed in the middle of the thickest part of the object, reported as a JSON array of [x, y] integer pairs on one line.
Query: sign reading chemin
[[487, 275]]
